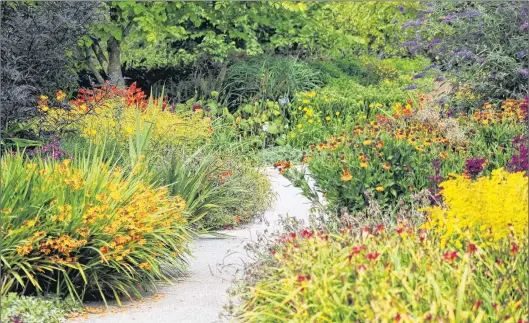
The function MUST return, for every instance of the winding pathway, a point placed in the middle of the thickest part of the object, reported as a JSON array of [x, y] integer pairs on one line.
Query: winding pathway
[[199, 297]]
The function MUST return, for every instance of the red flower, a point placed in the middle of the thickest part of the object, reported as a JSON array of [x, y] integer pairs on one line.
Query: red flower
[[372, 255], [380, 228], [358, 249], [450, 255], [302, 278], [307, 234], [397, 318], [472, 248], [477, 305], [514, 249]]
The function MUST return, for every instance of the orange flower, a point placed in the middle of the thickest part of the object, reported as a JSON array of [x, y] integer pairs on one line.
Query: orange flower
[[443, 155], [346, 175], [380, 145], [60, 95]]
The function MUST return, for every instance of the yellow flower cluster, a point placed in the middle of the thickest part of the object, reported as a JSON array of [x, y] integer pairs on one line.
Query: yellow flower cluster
[[114, 120], [495, 206]]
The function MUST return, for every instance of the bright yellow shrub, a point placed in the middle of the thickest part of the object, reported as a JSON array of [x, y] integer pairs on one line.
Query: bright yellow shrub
[[498, 203]]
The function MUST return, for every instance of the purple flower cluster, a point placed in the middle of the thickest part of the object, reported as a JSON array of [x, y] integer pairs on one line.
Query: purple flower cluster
[[435, 190], [418, 75], [524, 73], [410, 87], [518, 162], [52, 150], [413, 23], [474, 166]]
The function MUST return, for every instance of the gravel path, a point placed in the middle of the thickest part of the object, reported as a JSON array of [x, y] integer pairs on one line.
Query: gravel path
[[200, 296]]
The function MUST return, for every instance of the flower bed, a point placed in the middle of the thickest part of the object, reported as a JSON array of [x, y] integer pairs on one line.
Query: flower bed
[[402, 274], [86, 228]]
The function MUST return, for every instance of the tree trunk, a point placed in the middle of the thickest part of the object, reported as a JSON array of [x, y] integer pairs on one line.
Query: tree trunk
[[114, 62], [92, 67]]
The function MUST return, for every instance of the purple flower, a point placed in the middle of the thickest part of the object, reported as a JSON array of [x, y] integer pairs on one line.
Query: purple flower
[[412, 23], [524, 73], [439, 79], [434, 42], [492, 75], [524, 26], [395, 21], [418, 75], [474, 166], [519, 162], [410, 87], [441, 101], [401, 8], [521, 54], [196, 107]]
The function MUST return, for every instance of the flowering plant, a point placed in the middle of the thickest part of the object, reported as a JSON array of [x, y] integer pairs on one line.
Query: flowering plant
[[85, 227]]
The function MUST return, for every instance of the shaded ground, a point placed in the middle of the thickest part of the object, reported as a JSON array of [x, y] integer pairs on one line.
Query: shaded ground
[[200, 296]]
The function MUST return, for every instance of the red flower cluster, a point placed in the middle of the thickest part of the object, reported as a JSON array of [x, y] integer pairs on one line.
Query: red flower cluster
[[132, 95]]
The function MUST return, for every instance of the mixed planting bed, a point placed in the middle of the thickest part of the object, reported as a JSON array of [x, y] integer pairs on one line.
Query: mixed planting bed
[[417, 143]]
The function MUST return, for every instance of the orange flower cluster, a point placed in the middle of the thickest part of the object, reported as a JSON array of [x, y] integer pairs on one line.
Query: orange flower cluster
[[283, 166], [511, 110]]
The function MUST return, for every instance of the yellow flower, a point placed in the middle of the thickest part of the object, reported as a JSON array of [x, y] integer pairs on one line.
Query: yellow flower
[[299, 125], [305, 101], [311, 121], [363, 165], [327, 118], [300, 108], [43, 97], [380, 188], [337, 113], [44, 108], [367, 142], [129, 130], [60, 95]]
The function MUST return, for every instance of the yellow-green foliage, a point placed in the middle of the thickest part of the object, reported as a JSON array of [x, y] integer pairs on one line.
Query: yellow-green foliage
[[114, 119], [498, 202], [402, 276]]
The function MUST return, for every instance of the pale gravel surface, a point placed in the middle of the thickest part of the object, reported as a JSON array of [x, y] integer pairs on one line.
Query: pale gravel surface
[[200, 296]]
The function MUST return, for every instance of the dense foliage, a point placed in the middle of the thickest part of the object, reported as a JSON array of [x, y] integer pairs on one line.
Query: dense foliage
[[38, 52], [483, 45]]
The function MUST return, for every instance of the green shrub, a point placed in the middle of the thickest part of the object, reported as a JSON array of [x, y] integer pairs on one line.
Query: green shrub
[[219, 189], [87, 228], [30, 309]]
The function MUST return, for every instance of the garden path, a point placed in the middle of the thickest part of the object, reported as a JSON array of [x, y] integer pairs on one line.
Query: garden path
[[199, 297]]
